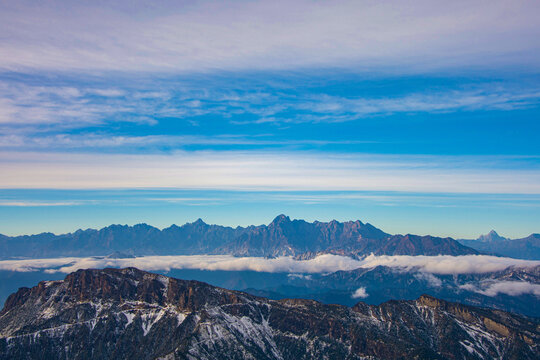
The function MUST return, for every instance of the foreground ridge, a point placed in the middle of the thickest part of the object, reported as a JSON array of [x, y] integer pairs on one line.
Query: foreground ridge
[[129, 313]]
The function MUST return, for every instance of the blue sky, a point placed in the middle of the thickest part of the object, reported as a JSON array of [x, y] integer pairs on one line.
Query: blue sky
[[421, 117]]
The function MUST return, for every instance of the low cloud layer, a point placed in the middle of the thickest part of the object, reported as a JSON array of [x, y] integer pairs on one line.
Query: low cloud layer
[[443, 264], [446, 264], [431, 279], [512, 288]]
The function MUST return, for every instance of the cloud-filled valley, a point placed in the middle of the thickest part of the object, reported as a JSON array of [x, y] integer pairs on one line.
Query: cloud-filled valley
[[326, 263]]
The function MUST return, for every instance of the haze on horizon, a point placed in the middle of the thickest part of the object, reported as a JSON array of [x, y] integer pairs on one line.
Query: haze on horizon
[[418, 118]]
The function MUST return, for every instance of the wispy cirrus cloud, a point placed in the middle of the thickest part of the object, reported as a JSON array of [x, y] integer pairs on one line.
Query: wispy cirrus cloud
[[430, 102], [261, 35], [19, 203], [28, 108], [332, 109], [97, 141], [65, 107], [278, 200], [260, 170]]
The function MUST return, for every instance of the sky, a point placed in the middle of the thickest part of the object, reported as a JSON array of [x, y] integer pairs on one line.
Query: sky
[[418, 117]]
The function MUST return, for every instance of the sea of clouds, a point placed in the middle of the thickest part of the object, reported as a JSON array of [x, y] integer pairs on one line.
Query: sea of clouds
[[327, 263], [423, 266]]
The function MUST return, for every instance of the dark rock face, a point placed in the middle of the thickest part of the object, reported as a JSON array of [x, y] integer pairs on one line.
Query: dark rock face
[[131, 314], [282, 236]]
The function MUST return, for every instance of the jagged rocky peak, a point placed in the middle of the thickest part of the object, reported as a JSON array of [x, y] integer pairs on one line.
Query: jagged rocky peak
[[491, 236], [132, 314], [281, 219], [429, 301], [199, 222]]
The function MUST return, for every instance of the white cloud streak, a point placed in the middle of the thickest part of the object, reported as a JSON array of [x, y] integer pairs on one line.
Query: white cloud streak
[[178, 36], [266, 171], [479, 99], [67, 107], [512, 288], [446, 264], [431, 279], [100, 141], [443, 264], [26, 203], [31, 107]]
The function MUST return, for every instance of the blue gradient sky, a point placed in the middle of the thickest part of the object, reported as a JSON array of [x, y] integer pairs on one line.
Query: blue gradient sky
[[419, 118]]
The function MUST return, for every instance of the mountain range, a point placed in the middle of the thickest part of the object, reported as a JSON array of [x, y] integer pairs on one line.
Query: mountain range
[[493, 243], [282, 237], [132, 314]]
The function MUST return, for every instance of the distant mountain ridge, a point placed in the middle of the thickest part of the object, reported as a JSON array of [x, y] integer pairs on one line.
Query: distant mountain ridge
[[492, 243], [132, 314], [282, 237], [491, 236]]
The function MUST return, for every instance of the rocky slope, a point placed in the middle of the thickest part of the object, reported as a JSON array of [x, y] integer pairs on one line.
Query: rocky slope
[[282, 236], [128, 313]]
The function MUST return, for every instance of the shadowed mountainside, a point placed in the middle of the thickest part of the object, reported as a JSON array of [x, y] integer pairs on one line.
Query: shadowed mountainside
[[128, 313]]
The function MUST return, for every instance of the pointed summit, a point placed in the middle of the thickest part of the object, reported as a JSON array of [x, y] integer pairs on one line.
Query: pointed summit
[[280, 219], [491, 236], [199, 222]]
